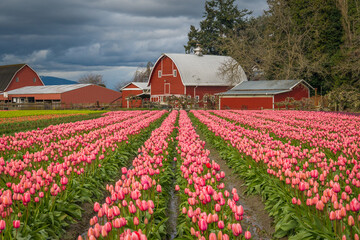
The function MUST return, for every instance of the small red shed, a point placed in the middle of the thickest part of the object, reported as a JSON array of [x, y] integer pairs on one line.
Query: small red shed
[[256, 95], [63, 94], [18, 76], [139, 90], [190, 75]]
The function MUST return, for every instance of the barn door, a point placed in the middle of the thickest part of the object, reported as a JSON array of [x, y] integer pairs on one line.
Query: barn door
[[167, 88]]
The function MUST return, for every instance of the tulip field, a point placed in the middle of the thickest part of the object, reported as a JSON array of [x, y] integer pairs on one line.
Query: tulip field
[[131, 165]]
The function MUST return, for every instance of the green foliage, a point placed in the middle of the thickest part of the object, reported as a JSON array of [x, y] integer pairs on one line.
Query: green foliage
[[221, 18], [314, 40]]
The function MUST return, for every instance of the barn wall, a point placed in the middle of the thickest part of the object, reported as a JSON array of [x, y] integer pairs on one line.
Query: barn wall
[[127, 93], [202, 90], [298, 92], [90, 95], [36, 96], [26, 78], [250, 103], [157, 83]]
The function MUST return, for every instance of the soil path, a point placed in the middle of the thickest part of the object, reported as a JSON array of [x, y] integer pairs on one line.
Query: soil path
[[255, 216]]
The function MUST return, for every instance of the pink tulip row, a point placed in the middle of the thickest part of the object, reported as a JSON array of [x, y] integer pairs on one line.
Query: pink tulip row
[[210, 210], [31, 184], [128, 212], [323, 184], [78, 148], [336, 134], [41, 138]]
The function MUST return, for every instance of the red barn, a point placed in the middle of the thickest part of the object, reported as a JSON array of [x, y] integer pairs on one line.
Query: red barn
[[257, 95], [190, 75], [18, 76], [138, 90], [63, 94]]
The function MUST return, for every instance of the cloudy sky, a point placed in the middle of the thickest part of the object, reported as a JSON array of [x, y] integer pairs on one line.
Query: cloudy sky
[[71, 38]]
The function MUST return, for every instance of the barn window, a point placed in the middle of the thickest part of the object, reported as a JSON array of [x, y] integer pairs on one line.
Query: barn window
[[17, 79], [159, 73], [34, 79], [189, 96], [197, 98], [174, 73], [205, 98]]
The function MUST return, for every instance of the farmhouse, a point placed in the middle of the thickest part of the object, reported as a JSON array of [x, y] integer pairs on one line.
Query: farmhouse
[[18, 76], [134, 94], [190, 75], [257, 95], [63, 94]]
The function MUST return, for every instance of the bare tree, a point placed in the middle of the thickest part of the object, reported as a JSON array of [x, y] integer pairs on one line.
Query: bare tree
[[142, 73], [232, 72], [92, 78], [349, 66]]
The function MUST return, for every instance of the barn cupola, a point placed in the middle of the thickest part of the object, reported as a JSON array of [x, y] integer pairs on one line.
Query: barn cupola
[[198, 51]]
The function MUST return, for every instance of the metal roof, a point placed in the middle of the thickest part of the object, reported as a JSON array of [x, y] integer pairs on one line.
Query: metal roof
[[266, 85], [52, 89], [269, 87], [141, 85], [202, 70], [263, 92], [7, 73]]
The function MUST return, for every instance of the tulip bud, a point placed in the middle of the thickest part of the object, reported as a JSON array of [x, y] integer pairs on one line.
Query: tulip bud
[[212, 236], [16, 223], [136, 221], [2, 225], [247, 235], [221, 224]]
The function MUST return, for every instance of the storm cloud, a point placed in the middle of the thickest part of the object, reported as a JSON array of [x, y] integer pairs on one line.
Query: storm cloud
[[70, 38]]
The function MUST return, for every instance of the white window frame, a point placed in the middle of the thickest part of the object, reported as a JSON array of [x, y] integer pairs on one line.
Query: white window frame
[[159, 74], [205, 98], [197, 98]]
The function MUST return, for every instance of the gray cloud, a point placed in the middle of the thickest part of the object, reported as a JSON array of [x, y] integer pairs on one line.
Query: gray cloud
[[75, 36]]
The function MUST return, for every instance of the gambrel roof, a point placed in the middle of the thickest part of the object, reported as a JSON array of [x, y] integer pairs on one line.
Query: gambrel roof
[[7, 73], [202, 70]]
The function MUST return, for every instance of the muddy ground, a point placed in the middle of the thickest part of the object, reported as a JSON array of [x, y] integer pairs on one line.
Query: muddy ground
[[256, 219]]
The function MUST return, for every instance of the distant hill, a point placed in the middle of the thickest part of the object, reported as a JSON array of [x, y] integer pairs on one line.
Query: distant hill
[[48, 80]]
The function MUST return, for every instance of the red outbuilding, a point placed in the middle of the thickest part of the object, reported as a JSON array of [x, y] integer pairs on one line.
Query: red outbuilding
[[191, 75], [66, 95], [256, 95], [134, 94], [18, 76]]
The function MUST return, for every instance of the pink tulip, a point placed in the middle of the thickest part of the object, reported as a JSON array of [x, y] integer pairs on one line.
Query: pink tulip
[[247, 235], [2, 225], [16, 223], [202, 225], [236, 229], [221, 224], [212, 236]]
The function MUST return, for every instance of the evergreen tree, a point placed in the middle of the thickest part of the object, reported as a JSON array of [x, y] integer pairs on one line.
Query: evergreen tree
[[222, 17]]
